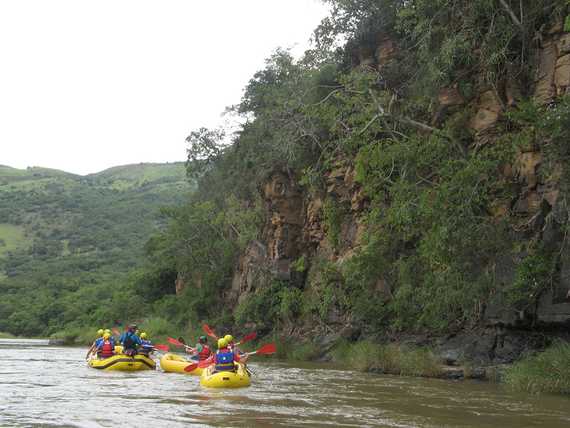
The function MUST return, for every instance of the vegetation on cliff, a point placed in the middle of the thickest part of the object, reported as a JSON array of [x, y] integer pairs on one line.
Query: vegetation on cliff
[[400, 93]]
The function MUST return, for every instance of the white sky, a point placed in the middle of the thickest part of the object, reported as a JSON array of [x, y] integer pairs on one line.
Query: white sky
[[86, 85]]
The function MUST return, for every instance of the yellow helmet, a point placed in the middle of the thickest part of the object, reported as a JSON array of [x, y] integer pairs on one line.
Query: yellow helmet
[[106, 336], [143, 335], [222, 343], [229, 338], [108, 331], [100, 332]]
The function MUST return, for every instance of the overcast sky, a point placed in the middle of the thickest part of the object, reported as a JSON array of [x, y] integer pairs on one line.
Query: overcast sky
[[86, 85]]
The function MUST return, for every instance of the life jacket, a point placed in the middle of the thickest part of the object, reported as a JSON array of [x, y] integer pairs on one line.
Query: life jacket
[[225, 360], [129, 342], [204, 353], [146, 347], [107, 349]]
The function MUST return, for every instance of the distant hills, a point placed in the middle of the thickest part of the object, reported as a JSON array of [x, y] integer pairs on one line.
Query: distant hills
[[62, 234]]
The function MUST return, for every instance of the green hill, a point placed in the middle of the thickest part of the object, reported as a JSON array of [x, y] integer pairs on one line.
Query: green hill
[[67, 241]]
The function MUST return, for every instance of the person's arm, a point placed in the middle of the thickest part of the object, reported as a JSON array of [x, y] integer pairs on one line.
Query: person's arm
[[90, 351]]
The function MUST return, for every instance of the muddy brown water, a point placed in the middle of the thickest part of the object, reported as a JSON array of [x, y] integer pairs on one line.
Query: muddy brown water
[[44, 386]]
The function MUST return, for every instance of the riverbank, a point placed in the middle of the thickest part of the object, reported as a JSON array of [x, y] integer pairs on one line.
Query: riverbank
[[535, 371]]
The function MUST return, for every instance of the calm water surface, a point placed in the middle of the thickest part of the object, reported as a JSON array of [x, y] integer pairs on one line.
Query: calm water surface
[[53, 387]]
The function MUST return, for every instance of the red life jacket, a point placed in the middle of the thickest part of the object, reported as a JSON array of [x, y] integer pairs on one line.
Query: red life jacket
[[107, 350], [204, 353]]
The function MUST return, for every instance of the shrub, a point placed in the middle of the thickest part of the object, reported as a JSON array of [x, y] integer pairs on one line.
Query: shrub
[[393, 359], [548, 371]]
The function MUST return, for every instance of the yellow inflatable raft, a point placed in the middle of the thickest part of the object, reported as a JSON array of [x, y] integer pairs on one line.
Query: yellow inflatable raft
[[238, 379], [123, 362], [173, 363]]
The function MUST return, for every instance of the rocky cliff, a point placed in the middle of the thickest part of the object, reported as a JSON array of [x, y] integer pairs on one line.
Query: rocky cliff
[[297, 231]]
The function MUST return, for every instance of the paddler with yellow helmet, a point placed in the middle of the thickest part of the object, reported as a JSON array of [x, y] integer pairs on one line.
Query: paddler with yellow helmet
[[232, 345], [224, 358], [106, 348], [146, 345]]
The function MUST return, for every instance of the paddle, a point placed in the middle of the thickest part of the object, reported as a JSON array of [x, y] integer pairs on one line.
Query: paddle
[[268, 349], [175, 342], [179, 343], [247, 338], [209, 331], [164, 348]]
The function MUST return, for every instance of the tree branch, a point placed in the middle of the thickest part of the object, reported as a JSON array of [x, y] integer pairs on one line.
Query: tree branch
[[511, 14]]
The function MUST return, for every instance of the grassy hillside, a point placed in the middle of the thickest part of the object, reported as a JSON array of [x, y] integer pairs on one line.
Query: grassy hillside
[[67, 242]]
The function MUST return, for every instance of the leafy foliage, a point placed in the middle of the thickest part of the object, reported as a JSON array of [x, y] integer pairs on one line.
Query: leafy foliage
[[70, 242]]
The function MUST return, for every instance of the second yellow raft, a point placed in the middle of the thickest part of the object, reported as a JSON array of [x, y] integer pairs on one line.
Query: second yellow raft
[[173, 363], [238, 379]]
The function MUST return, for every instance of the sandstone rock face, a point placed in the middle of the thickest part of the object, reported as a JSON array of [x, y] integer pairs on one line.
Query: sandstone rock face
[[376, 54], [562, 74], [385, 50], [295, 225], [553, 71], [489, 110], [545, 90]]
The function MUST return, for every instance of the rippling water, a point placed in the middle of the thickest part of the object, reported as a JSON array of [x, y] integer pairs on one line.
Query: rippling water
[[49, 387]]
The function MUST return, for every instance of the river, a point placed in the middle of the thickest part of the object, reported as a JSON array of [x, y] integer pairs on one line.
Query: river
[[44, 386]]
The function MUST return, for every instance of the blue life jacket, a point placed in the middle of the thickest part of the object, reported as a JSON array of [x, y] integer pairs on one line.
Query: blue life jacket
[[224, 361], [130, 340]]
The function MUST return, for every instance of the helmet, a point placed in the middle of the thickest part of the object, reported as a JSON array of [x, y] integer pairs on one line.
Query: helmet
[[100, 332], [132, 327], [108, 331], [143, 335], [229, 338], [106, 336], [222, 343], [202, 339]]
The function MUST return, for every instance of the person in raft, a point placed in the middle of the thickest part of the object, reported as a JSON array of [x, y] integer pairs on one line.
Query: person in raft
[[225, 357], [106, 347], [96, 343], [146, 345], [130, 341], [232, 345], [202, 350]]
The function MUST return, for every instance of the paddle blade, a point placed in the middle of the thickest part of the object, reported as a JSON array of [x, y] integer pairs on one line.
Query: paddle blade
[[174, 341], [209, 331], [268, 349], [164, 348], [191, 367], [206, 363], [248, 337]]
